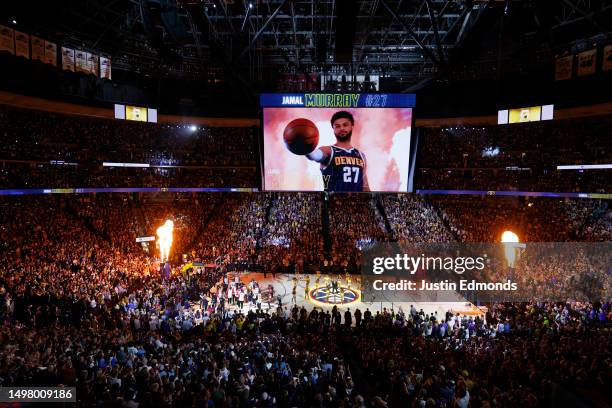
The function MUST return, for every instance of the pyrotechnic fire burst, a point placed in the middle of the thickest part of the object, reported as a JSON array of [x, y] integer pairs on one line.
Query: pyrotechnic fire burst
[[164, 239]]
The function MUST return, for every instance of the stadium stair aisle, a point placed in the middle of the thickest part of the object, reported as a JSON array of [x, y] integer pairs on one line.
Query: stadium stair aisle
[[211, 214], [381, 209], [444, 220], [351, 354], [86, 221], [140, 218], [272, 199], [327, 241]]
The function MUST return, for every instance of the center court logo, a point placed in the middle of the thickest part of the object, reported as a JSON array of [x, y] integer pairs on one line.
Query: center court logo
[[327, 296]]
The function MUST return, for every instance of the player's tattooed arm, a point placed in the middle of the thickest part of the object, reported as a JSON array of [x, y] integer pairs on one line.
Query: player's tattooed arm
[[320, 155]]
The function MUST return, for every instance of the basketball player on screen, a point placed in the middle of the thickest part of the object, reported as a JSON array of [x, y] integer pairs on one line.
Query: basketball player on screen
[[342, 166]]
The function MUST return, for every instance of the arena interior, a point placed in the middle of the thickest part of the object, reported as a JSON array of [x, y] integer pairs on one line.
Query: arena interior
[[191, 191]]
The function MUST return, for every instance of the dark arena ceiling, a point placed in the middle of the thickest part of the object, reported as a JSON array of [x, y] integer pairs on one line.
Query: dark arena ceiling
[[256, 40]]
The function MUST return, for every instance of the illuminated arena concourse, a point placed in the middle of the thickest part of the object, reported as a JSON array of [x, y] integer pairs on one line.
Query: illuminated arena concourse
[[202, 203]]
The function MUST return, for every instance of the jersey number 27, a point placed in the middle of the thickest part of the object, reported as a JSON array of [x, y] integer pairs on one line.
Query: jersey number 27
[[351, 174]]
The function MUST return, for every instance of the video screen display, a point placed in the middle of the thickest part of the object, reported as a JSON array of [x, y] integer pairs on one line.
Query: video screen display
[[337, 142], [136, 113], [531, 114], [522, 115]]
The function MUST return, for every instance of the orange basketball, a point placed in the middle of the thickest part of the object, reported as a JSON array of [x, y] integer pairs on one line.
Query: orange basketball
[[301, 136]]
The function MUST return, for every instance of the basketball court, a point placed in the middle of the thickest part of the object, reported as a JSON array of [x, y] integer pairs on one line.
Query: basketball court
[[326, 291]]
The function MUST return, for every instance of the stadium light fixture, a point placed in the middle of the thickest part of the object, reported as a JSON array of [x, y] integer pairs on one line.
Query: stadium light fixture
[[193, 128]]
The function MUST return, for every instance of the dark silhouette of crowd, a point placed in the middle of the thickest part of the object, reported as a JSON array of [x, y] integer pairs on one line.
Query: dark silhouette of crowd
[[48, 150], [521, 157]]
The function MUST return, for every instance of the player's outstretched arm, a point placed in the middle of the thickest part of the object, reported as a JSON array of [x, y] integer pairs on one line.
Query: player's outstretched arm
[[320, 155]]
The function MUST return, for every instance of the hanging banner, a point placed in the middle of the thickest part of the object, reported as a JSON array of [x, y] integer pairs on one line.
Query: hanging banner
[[87, 63], [50, 53], [38, 48], [563, 68], [6, 40], [607, 58], [105, 68], [22, 44], [586, 62], [68, 59], [93, 64], [80, 60]]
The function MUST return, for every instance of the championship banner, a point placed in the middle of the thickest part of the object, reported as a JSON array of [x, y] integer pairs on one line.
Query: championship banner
[[68, 59], [22, 44], [105, 68], [6, 40], [563, 68], [93, 64], [50, 53], [607, 58], [87, 64], [586, 62], [38, 48], [80, 60]]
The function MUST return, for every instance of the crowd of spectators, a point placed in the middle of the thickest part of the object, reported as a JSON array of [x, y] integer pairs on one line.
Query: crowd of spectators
[[301, 231], [534, 220], [521, 356], [516, 157], [42, 136], [37, 145], [83, 304], [234, 230], [498, 179], [46, 150], [355, 223], [413, 220], [39, 175], [293, 235], [599, 228]]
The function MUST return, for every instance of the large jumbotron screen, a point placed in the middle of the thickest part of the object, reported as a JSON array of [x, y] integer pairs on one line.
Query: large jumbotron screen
[[336, 142]]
